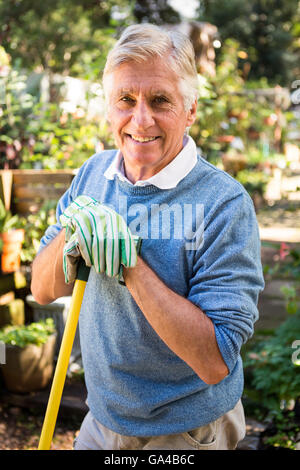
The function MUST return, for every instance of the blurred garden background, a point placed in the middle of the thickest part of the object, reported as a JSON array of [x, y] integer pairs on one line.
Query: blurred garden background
[[52, 118]]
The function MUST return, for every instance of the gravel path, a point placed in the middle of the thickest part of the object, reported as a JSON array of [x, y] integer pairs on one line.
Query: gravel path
[[20, 430]]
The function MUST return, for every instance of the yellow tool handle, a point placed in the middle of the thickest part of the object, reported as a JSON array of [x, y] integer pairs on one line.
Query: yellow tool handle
[[62, 366]]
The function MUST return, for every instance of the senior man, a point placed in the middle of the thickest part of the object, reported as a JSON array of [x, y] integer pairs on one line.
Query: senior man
[[162, 321]]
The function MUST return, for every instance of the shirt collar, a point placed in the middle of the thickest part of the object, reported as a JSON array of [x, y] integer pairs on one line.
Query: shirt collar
[[169, 176]]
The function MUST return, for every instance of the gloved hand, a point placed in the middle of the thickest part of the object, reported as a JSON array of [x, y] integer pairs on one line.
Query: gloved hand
[[100, 236]]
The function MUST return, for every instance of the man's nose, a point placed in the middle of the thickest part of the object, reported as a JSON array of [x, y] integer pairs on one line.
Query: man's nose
[[142, 116]]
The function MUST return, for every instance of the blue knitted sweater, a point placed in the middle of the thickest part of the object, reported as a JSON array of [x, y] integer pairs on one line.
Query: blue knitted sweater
[[201, 238]]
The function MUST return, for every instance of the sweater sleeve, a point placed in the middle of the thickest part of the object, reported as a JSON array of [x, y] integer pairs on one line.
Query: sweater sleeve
[[227, 274]]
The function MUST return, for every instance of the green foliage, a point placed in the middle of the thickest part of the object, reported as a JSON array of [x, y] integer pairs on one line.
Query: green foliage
[[293, 267], [292, 300], [7, 220], [35, 226], [72, 37], [34, 134], [253, 181], [16, 108], [62, 36], [267, 30], [63, 140], [288, 265], [155, 11], [286, 431], [274, 376], [259, 157], [35, 333], [227, 108]]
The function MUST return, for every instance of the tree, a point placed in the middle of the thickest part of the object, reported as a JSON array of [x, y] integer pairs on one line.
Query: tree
[[155, 11], [268, 30], [65, 36]]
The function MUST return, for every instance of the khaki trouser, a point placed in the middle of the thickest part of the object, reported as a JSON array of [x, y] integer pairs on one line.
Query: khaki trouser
[[222, 434]]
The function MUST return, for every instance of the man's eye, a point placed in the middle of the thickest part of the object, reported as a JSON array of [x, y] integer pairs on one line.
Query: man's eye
[[127, 99], [160, 100]]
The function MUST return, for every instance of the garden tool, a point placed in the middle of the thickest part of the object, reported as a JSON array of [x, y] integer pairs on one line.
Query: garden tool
[[100, 237], [63, 357]]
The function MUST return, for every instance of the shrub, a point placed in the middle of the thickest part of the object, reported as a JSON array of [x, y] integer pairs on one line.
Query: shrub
[[34, 333], [253, 181], [274, 367], [35, 226]]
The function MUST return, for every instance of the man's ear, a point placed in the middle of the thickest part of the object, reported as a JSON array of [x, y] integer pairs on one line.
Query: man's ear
[[192, 114]]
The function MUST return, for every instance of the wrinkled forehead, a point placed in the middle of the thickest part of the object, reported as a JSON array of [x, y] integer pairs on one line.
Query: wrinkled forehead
[[149, 77]]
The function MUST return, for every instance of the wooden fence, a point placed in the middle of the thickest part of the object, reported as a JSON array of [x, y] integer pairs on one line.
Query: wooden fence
[[25, 191]]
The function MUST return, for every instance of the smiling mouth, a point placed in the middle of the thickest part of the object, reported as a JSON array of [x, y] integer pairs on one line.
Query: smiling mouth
[[140, 139]]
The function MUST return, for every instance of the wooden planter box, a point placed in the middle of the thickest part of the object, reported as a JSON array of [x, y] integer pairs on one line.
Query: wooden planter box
[[27, 190]]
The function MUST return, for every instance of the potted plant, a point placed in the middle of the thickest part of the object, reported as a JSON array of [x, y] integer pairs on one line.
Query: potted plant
[[29, 355], [11, 239], [35, 226]]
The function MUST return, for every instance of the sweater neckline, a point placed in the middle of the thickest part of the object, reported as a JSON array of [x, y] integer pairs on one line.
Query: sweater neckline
[[130, 189]]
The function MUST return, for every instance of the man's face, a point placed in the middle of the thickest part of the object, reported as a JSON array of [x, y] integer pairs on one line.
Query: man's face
[[147, 115]]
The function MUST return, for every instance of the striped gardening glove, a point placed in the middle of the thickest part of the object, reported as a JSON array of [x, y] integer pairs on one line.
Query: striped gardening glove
[[100, 236]]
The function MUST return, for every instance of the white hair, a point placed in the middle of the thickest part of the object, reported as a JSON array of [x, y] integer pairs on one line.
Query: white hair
[[145, 41]]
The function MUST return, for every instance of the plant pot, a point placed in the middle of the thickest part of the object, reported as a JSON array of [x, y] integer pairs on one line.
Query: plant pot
[[11, 250], [30, 368]]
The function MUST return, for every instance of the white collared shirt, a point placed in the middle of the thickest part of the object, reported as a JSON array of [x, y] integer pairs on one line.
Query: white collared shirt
[[169, 176]]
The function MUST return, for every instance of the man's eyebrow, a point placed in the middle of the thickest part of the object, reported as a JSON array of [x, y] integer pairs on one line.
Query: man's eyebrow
[[132, 91], [124, 91], [160, 92]]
